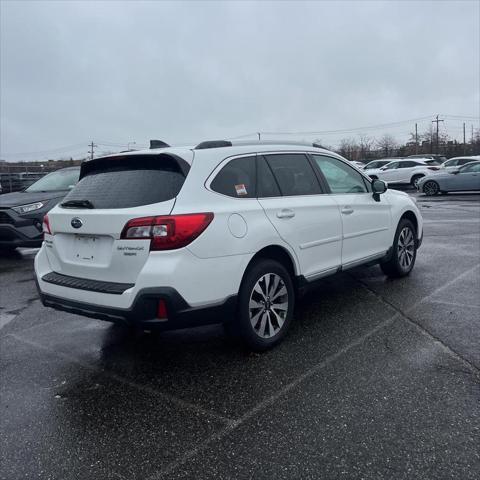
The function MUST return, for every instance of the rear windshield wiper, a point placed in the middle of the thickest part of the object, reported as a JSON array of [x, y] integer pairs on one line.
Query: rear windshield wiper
[[77, 204]]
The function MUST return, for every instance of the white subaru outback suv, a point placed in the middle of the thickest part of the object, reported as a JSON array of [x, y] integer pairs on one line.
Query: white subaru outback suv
[[232, 233]]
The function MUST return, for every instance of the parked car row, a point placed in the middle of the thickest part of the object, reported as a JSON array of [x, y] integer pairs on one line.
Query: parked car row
[[413, 170]]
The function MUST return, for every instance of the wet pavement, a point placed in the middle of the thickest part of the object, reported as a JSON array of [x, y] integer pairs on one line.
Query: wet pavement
[[377, 379]]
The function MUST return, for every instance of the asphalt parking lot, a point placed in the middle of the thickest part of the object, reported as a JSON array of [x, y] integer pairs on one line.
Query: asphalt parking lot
[[378, 379]]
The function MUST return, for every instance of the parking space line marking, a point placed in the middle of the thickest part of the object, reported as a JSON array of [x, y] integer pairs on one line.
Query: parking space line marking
[[5, 318], [439, 289], [271, 399], [453, 304], [404, 315], [113, 376]]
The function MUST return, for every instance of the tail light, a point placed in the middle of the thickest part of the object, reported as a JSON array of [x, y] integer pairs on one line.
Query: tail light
[[433, 168], [162, 312], [46, 225], [167, 232]]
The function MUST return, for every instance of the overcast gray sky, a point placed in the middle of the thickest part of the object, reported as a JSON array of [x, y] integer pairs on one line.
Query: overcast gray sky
[[125, 71]]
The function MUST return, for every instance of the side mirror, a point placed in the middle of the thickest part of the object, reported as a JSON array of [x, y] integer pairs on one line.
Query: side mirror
[[378, 187], [383, 168], [455, 171]]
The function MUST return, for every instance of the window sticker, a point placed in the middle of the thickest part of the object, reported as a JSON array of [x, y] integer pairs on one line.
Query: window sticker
[[241, 189]]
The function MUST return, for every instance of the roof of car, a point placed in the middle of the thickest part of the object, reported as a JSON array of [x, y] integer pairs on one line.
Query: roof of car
[[472, 157], [237, 148]]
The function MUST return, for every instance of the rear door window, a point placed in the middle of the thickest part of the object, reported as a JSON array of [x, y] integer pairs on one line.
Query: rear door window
[[130, 181], [267, 186], [236, 179], [294, 174]]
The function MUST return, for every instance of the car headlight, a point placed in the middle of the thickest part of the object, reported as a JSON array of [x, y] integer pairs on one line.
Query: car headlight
[[31, 207]]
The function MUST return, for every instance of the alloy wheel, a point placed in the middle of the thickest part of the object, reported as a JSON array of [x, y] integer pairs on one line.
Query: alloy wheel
[[430, 188], [268, 305], [406, 248]]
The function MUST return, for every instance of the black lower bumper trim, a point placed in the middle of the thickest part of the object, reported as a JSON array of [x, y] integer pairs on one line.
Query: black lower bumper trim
[[113, 288], [142, 314]]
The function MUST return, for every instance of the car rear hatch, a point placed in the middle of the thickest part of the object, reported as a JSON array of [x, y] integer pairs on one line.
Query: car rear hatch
[[86, 227]]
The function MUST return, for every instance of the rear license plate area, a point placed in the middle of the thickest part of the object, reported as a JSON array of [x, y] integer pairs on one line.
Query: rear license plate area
[[85, 247]]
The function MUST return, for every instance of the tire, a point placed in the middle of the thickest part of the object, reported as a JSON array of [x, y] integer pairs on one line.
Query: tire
[[265, 310], [404, 251], [430, 188], [415, 179]]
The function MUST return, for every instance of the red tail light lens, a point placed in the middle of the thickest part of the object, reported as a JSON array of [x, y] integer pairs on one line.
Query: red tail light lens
[[46, 225], [167, 232], [162, 309]]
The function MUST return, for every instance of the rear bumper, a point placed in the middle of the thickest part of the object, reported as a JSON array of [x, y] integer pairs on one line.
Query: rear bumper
[[142, 313]]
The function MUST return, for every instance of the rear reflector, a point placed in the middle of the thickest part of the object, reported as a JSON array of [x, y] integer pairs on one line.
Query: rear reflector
[[167, 232], [46, 225], [162, 309]]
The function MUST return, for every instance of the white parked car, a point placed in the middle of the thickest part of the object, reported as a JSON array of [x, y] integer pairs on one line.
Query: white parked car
[[456, 162], [357, 164], [377, 164], [222, 232], [405, 171]]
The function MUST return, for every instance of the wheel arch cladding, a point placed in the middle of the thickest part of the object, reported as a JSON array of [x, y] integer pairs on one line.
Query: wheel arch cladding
[[409, 215], [278, 253]]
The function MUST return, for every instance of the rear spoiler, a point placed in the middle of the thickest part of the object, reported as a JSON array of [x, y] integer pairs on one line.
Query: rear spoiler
[[142, 161]]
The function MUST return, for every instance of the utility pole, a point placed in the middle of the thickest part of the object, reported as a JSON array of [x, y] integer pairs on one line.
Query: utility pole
[[464, 142], [437, 121], [91, 151], [416, 138]]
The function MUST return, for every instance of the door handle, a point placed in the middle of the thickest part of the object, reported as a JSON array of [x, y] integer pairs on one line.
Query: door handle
[[347, 210], [285, 213]]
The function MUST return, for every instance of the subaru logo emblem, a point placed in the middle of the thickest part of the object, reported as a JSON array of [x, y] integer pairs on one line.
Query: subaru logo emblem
[[76, 222]]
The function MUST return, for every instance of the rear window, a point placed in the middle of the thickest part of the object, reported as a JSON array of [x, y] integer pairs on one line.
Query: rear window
[[130, 181], [236, 179]]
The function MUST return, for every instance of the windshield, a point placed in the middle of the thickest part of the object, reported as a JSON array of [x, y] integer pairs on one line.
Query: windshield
[[59, 180]]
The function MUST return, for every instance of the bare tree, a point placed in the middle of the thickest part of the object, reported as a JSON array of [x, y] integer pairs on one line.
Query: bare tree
[[387, 144], [348, 148], [366, 144]]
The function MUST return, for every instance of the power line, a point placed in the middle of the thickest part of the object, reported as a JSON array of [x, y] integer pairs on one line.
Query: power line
[[53, 150], [348, 130]]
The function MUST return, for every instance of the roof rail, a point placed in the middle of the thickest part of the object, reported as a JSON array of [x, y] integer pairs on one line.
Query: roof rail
[[230, 143], [213, 144], [158, 144]]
